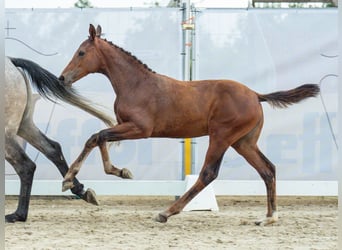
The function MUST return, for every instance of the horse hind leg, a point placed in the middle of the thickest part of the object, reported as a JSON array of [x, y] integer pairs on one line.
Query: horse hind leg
[[247, 147], [269, 178], [25, 169], [208, 173]]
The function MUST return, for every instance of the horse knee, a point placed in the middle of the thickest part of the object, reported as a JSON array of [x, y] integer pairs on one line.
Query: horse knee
[[105, 136], [102, 137], [92, 141]]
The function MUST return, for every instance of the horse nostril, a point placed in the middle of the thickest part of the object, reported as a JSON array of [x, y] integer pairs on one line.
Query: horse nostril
[[61, 78]]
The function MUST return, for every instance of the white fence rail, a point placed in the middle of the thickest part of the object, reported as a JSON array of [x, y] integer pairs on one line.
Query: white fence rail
[[176, 188]]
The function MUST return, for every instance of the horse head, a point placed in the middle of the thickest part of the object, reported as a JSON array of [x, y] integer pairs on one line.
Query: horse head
[[86, 60]]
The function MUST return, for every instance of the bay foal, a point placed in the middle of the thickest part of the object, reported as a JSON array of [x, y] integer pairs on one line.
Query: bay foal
[[152, 105]]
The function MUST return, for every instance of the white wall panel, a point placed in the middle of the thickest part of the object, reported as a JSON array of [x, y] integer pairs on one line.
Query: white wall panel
[[268, 50], [152, 35], [271, 50]]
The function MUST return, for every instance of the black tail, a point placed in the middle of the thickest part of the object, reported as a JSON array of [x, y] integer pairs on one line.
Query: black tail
[[283, 99], [48, 86]]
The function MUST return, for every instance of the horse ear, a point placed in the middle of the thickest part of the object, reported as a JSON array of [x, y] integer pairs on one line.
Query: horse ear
[[92, 32], [98, 31]]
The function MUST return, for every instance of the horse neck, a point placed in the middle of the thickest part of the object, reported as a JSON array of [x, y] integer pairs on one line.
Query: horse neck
[[124, 71]]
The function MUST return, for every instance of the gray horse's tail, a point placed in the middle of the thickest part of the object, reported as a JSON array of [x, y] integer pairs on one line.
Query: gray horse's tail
[[49, 87]]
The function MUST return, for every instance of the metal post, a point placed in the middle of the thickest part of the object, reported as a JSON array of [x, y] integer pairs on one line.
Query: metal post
[[187, 27]]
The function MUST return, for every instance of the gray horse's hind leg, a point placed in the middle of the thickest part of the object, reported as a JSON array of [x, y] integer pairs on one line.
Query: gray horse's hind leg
[[25, 168], [52, 150]]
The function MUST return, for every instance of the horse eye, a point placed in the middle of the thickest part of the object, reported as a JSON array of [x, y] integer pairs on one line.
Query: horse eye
[[81, 53]]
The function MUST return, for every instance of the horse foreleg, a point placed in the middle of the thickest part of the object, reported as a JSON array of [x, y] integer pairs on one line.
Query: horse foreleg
[[25, 169], [120, 132], [53, 151], [208, 173], [68, 181], [111, 169]]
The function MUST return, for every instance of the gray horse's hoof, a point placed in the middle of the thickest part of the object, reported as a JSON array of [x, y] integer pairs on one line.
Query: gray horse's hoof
[[126, 174], [161, 218], [67, 185], [90, 197], [11, 218]]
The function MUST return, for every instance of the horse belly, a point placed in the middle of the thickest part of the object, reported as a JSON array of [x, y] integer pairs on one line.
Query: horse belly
[[181, 128]]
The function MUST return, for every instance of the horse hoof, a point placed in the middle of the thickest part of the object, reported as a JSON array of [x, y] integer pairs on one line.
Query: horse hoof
[[267, 220], [11, 218], [90, 197], [67, 185], [161, 218], [126, 174]]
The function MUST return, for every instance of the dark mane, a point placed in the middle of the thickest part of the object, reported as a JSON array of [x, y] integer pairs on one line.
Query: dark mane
[[130, 54]]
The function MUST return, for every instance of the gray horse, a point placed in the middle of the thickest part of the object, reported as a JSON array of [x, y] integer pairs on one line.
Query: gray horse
[[19, 104]]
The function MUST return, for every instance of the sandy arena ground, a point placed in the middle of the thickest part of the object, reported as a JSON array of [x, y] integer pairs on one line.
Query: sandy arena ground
[[122, 222]]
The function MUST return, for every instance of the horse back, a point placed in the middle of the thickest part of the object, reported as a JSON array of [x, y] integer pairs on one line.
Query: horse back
[[188, 109]]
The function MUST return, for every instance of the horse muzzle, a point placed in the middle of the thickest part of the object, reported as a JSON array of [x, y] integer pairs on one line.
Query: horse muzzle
[[65, 81]]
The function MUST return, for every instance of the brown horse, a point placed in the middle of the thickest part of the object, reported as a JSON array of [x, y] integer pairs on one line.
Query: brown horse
[[152, 105]]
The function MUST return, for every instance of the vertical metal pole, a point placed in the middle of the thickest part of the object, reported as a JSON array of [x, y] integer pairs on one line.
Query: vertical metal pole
[[187, 36], [187, 47], [193, 44]]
